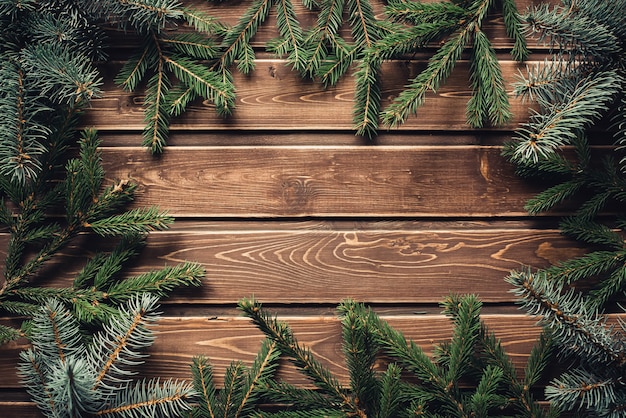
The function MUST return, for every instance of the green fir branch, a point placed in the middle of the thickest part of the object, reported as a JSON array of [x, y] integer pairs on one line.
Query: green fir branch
[[513, 25], [326, 29], [22, 132], [456, 26], [489, 101], [60, 75], [291, 34], [8, 333], [584, 388], [205, 387], [437, 71], [238, 37], [134, 221], [104, 267], [157, 115], [151, 398], [411, 382], [158, 282], [302, 357]]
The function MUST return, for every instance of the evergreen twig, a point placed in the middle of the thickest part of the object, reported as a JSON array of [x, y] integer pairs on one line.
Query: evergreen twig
[[578, 91]]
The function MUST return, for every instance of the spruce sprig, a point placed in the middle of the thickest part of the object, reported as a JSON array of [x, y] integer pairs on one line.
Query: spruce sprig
[[69, 374], [580, 97]]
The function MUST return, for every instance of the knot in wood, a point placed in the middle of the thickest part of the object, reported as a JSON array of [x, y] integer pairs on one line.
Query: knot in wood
[[297, 192]]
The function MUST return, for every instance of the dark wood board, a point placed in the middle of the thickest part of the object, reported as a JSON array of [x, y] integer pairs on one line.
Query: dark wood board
[[293, 181]]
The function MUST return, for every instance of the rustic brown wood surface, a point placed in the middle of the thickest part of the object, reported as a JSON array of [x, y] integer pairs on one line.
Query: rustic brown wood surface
[[283, 202], [274, 97]]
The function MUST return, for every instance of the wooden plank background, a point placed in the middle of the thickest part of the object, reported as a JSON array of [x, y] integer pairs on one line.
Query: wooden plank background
[[283, 202]]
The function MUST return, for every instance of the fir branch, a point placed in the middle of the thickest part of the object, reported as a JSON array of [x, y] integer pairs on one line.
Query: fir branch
[[329, 21], [362, 23], [592, 232], [432, 391], [464, 336], [367, 98], [408, 354], [577, 33], [33, 376], [9, 334], [61, 76], [22, 134], [19, 307], [594, 264], [263, 368], [136, 66], [485, 397], [460, 23], [157, 116], [439, 68], [612, 285], [291, 33], [539, 82], [421, 13], [300, 400], [91, 379], [391, 392], [237, 39], [69, 382], [519, 390], [87, 304], [360, 349], [58, 336], [489, 101], [302, 357], [143, 15], [193, 45], [134, 221], [513, 25], [203, 82], [331, 70], [158, 282], [103, 267], [201, 21], [203, 384], [553, 196]]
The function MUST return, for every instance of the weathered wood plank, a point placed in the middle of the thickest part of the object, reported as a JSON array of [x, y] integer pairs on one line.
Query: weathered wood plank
[[226, 339], [12, 409], [210, 138], [324, 267], [324, 181], [274, 97]]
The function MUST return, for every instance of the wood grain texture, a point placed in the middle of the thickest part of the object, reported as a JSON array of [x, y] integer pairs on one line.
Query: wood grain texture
[[274, 97], [283, 202], [225, 339], [324, 181], [323, 267]]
